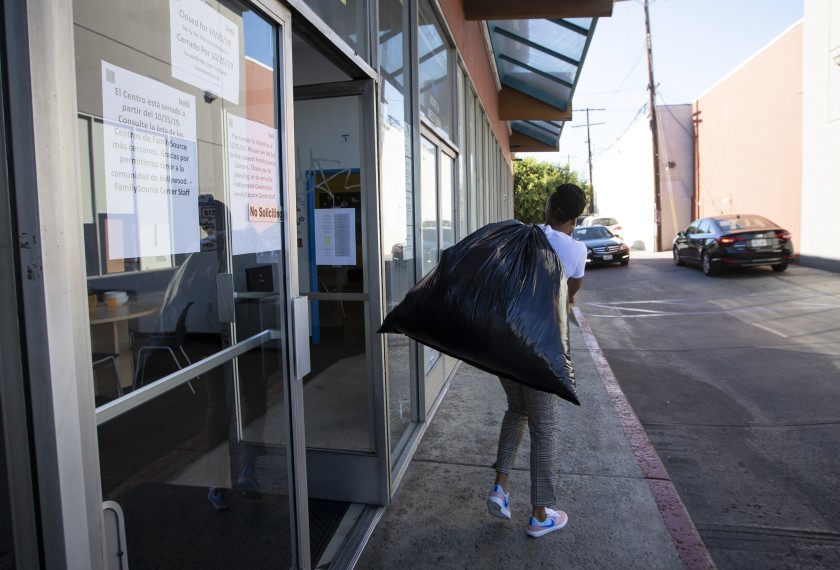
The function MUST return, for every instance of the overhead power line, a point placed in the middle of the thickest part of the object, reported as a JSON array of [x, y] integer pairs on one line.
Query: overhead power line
[[592, 208]]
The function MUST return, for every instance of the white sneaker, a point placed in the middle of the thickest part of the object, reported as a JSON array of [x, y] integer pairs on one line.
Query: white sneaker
[[498, 503], [554, 520]]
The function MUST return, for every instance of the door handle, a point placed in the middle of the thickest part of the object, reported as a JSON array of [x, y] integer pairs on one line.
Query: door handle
[[116, 557], [300, 317]]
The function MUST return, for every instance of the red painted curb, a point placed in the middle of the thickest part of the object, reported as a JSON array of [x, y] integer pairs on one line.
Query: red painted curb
[[687, 541]]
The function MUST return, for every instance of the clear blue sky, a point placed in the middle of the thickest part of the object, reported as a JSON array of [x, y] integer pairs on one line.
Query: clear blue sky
[[696, 43]]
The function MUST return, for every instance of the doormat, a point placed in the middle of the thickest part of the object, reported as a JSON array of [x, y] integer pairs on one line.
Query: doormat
[[175, 526]]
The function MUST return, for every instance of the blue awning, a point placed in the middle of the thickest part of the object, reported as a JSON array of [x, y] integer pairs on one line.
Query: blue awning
[[542, 59]]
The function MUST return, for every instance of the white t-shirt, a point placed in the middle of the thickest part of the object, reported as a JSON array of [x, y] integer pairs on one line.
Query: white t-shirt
[[572, 253]]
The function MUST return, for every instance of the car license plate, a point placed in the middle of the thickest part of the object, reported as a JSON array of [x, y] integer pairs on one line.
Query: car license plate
[[608, 257], [759, 243]]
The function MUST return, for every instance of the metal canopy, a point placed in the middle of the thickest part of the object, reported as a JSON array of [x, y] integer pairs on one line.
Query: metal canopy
[[542, 59]]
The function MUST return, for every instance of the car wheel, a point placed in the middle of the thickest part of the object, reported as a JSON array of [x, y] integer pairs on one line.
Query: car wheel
[[707, 264], [780, 267], [677, 259]]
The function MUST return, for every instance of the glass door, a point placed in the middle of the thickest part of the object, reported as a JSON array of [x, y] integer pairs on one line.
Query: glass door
[[183, 126], [337, 203]]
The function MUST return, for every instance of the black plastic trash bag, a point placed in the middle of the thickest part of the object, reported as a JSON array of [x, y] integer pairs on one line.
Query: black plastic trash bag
[[497, 300]]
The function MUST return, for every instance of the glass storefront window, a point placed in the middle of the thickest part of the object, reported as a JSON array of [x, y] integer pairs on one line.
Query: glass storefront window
[[349, 19], [461, 200], [331, 267], [429, 221], [471, 157], [158, 461], [180, 147], [437, 87], [447, 218], [397, 203], [179, 160], [437, 185]]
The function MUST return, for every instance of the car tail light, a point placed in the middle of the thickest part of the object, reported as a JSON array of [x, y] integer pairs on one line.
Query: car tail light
[[784, 236], [618, 228], [728, 240]]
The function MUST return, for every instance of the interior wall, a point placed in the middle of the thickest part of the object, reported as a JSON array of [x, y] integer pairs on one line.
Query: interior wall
[[327, 137]]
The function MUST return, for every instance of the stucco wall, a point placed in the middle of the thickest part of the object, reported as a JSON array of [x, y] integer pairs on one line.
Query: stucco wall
[[749, 139], [472, 47], [676, 174], [623, 178], [821, 134]]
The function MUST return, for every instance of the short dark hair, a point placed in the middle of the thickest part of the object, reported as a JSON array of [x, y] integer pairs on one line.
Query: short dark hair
[[567, 202]]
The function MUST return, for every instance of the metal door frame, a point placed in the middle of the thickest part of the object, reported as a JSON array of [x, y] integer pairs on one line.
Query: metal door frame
[[13, 391], [54, 340], [342, 475]]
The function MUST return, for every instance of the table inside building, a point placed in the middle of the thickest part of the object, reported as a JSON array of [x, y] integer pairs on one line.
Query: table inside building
[[109, 333]]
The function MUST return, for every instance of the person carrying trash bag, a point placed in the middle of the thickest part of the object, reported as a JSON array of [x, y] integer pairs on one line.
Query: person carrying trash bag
[[499, 300], [539, 410]]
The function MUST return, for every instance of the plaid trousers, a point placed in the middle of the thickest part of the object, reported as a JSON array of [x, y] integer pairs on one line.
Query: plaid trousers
[[539, 410]]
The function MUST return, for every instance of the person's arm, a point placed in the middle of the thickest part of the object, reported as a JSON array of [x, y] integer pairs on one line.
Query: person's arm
[[574, 287]]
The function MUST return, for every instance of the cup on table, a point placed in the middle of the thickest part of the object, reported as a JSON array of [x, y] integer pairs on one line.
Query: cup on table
[[114, 299]]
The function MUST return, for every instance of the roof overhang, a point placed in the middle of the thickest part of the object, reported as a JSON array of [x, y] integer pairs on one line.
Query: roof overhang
[[538, 48], [531, 9]]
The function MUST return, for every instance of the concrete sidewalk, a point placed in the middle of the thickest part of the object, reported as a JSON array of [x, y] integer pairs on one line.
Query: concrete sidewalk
[[623, 510]]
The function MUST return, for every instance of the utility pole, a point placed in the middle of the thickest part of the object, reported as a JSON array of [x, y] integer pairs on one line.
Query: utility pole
[[592, 209], [654, 129], [695, 193]]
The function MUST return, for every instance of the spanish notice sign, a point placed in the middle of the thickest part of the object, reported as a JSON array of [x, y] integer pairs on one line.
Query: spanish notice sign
[[151, 175]]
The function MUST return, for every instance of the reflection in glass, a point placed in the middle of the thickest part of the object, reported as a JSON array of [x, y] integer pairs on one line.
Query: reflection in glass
[[462, 200], [430, 248], [397, 199], [159, 460], [348, 19], [436, 86], [472, 153], [430, 222], [447, 222], [183, 236]]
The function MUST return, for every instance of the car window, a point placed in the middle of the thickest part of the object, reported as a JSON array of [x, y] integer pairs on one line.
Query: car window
[[744, 223], [591, 232], [705, 227], [692, 228], [728, 225]]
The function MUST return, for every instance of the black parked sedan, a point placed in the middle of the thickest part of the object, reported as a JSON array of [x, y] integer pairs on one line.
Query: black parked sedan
[[719, 242], [602, 246]]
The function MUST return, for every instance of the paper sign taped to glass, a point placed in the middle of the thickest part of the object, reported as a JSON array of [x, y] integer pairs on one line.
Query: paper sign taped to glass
[[498, 300]]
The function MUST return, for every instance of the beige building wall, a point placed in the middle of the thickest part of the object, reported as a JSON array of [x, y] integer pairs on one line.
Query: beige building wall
[[624, 177], [749, 139], [821, 134]]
